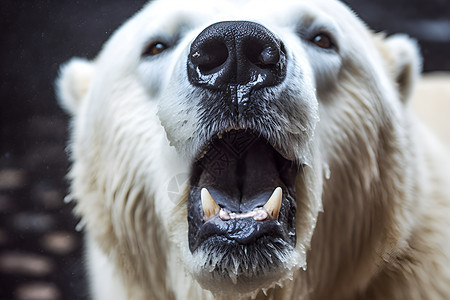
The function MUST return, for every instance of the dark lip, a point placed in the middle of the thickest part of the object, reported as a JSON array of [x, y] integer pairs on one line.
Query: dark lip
[[226, 128], [242, 231]]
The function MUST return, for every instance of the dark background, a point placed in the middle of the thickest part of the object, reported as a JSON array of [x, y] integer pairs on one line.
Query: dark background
[[40, 250]]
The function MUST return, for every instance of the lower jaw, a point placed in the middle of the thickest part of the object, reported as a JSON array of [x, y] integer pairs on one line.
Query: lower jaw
[[227, 269]]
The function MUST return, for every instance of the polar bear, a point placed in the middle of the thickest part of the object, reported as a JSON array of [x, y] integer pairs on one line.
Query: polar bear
[[306, 174]]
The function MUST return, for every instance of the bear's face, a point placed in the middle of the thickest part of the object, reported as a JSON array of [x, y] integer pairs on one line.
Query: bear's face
[[255, 102]]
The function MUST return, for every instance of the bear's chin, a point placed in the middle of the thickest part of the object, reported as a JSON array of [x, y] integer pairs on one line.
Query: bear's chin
[[225, 267]]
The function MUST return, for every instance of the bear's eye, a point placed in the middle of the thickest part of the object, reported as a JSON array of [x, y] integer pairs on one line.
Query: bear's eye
[[323, 40], [155, 48]]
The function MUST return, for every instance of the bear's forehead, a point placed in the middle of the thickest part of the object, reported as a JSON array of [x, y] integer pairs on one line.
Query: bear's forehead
[[171, 15]]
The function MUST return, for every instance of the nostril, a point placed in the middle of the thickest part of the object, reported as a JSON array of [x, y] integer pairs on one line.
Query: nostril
[[210, 57], [263, 56], [269, 56]]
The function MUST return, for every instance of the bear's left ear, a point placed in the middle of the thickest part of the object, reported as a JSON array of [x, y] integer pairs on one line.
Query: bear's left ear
[[73, 83], [403, 61]]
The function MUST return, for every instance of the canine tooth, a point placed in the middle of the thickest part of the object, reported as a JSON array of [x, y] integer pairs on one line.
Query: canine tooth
[[274, 203], [210, 207]]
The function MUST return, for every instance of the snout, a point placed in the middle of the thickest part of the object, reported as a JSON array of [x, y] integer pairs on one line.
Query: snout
[[242, 189], [232, 53]]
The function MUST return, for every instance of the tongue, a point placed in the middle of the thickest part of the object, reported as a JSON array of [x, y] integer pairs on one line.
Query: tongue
[[240, 176]]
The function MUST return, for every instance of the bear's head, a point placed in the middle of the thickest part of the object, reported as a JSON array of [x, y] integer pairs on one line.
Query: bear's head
[[269, 112]]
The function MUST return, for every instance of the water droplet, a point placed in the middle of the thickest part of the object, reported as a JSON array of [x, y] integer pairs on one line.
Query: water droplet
[[326, 169], [68, 199], [79, 227]]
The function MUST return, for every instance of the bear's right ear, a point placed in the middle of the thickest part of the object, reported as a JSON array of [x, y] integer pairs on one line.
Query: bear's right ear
[[73, 83]]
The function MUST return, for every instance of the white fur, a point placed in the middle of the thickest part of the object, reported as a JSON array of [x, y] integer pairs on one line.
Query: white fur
[[381, 184], [73, 86]]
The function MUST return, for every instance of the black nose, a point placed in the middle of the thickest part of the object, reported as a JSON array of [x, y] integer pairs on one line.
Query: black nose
[[236, 53]]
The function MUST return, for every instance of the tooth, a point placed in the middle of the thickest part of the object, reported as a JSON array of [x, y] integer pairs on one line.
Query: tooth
[[210, 207], [274, 203], [260, 214], [224, 215]]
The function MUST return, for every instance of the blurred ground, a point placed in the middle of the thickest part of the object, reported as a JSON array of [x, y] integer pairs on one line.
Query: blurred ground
[[40, 249]]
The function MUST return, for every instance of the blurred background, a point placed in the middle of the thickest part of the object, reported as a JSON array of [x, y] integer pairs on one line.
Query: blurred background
[[40, 244]]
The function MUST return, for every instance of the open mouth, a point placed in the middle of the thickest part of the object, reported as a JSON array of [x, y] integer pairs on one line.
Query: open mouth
[[242, 205]]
